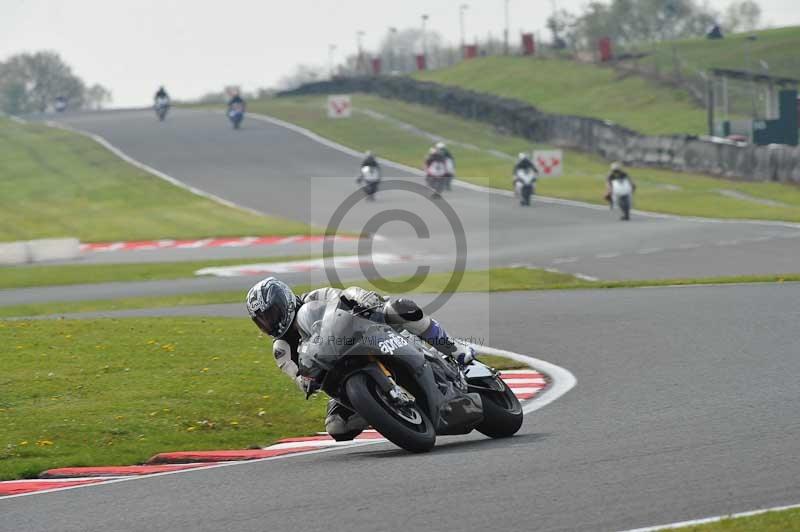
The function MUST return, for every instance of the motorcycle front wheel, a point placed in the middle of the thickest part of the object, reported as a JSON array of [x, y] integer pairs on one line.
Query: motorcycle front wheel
[[502, 413], [407, 426], [625, 207]]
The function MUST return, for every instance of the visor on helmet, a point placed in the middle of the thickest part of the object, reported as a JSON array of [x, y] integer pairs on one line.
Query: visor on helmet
[[272, 320], [272, 307]]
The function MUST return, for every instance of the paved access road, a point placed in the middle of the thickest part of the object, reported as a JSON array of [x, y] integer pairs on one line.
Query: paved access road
[[272, 169], [686, 406]]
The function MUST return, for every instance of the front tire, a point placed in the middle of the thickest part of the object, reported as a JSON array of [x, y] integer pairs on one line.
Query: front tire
[[502, 414], [368, 400], [625, 207]]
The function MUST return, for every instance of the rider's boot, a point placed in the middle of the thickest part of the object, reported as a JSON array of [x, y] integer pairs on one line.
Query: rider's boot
[[342, 423]]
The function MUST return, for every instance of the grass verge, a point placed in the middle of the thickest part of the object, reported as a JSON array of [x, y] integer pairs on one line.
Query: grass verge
[[57, 183], [781, 521], [583, 180], [27, 276], [572, 88], [115, 392], [109, 392], [494, 280]]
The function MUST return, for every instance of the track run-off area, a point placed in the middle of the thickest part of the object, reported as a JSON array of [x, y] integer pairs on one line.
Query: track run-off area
[[686, 397]]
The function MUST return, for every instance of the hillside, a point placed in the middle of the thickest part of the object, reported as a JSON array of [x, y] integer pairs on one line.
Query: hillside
[[567, 87], [777, 47]]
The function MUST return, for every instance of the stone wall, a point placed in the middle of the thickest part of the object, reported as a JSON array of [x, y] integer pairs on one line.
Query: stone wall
[[609, 140]]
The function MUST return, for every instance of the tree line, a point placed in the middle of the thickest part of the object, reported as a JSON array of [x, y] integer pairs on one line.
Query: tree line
[[635, 22], [35, 82]]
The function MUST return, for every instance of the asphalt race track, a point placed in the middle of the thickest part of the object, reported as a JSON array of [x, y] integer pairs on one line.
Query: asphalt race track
[[686, 403], [275, 170], [686, 406]]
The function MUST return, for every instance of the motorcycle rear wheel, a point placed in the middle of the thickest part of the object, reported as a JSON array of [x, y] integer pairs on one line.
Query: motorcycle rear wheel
[[502, 414], [397, 425]]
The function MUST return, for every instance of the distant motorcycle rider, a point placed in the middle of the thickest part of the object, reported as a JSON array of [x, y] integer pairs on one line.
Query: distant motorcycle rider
[[161, 95], [617, 173], [371, 161], [524, 163], [619, 180], [434, 156], [450, 162], [236, 99], [370, 178], [289, 319]]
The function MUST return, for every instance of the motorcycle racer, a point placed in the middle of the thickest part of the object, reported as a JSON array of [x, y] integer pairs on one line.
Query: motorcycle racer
[[288, 319]]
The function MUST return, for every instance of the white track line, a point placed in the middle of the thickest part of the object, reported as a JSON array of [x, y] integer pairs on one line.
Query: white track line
[[714, 519], [149, 169], [561, 382]]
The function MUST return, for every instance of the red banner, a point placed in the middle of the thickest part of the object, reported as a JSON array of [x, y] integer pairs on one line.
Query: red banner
[[376, 66], [470, 51], [604, 47], [528, 44], [421, 63]]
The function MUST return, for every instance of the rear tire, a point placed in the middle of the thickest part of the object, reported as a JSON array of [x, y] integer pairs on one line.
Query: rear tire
[[367, 399], [502, 414]]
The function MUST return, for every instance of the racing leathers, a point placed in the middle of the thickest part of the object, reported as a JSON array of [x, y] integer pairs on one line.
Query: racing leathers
[[617, 174], [523, 164], [402, 314], [161, 94], [236, 99], [370, 161]]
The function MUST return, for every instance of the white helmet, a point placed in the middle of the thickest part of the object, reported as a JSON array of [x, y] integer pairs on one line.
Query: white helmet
[[616, 166], [522, 156], [440, 145]]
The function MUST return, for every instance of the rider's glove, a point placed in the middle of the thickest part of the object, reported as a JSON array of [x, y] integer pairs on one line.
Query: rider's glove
[[307, 385], [364, 299], [464, 354]]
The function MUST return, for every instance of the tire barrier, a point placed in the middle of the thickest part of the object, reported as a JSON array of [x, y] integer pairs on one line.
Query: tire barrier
[[609, 140]]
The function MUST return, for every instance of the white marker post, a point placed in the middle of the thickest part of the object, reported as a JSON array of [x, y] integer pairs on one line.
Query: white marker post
[[339, 106]]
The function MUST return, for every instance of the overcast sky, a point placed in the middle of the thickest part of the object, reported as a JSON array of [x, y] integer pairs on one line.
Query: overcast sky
[[192, 47]]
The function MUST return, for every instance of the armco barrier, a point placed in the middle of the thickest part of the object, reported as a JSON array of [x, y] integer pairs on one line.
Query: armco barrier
[[609, 140], [13, 253], [49, 249], [54, 249]]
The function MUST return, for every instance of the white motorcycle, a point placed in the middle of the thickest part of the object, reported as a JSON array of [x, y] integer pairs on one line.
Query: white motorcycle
[[371, 178], [436, 176], [622, 196], [161, 107], [525, 185], [450, 167]]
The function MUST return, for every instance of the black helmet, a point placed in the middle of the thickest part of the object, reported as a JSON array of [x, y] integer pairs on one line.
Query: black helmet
[[272, 306]]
